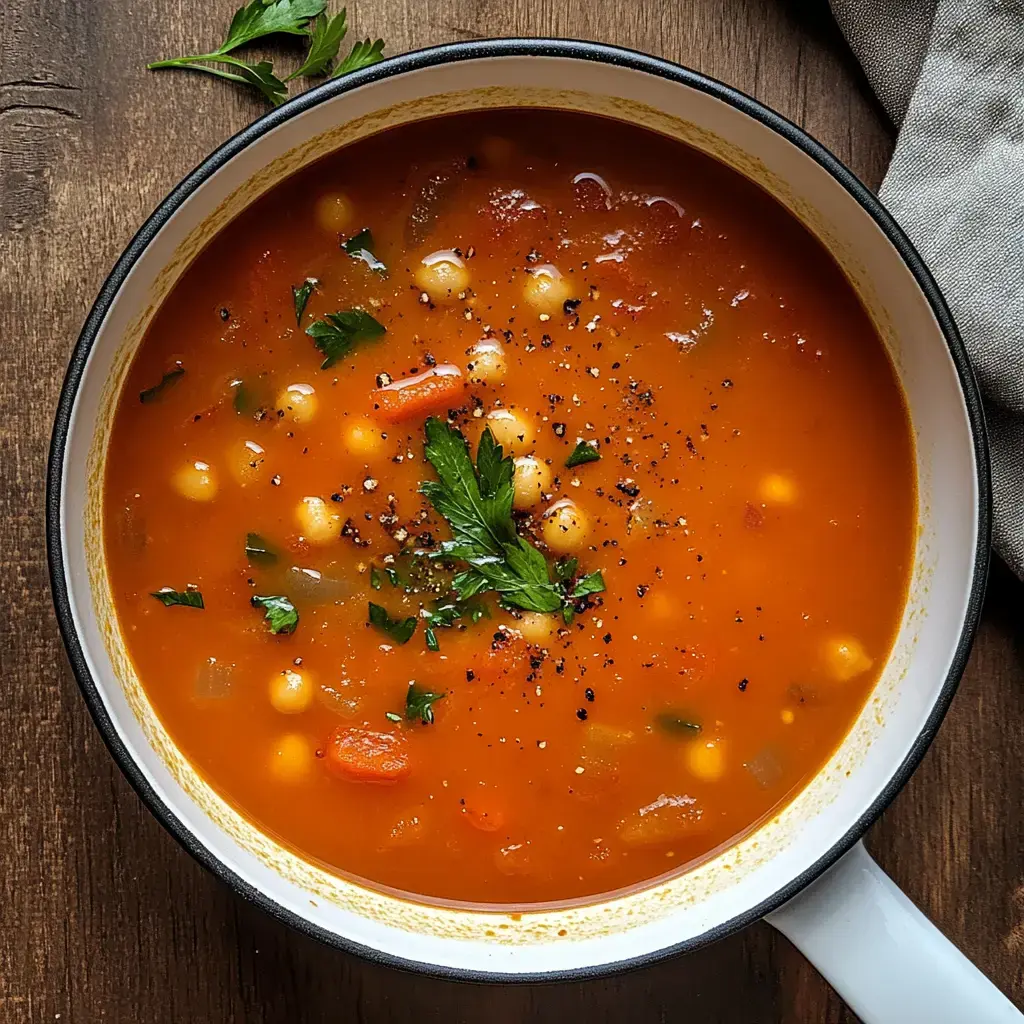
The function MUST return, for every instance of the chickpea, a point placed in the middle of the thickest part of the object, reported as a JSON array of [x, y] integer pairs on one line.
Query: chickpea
[[776, 489], [195, 481], [298, 402], [706, 759], [487, 362], [292, 757], [319, 525], [512, 430], [565, 527], [443, 276], [245, 460], [846, 658], [334, 212], [532, 480], [537, 627], [546, 290], [363, 437], [291, 691]]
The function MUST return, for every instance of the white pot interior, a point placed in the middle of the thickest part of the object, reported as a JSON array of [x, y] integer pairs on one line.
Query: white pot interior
[[736, 880]]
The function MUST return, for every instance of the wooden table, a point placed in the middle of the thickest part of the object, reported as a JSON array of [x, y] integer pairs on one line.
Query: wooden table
[[103, 916]]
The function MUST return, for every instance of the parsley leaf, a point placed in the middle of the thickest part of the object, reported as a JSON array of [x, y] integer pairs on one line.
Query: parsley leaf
[[443, 613], [169, 379], [590, 584], [258, 550], [300, 296], [339, 334], [261, 76], [267, 17], [363, 54], [400, 630], [376, 577], [419, 704], [325, 36], [583, 453], [280, 612], [185, 598], [477, 503], [675, 723], [360, 247]]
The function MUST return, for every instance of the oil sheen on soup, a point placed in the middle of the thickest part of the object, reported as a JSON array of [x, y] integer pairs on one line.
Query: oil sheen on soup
[[510, 507]]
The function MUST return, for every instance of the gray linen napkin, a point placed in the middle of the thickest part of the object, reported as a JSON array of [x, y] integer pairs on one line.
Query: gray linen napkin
[[950, 73]]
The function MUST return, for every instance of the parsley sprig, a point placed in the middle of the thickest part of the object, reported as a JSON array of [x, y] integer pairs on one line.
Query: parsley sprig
[[261, 18], [418, 705], [339, 333], [477, 504]]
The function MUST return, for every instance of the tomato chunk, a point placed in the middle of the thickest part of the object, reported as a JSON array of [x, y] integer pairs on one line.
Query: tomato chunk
[[435, 390], [365, 755]]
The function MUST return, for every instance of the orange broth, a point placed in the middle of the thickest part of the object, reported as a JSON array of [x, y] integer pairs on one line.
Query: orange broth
[[752, 511]]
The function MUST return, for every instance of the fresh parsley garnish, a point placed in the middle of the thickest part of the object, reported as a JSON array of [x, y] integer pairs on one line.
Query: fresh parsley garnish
[[341, 332], [477, 504], [185, 598], [360, 247], [400, 630], [300, 296], [583, 453], [362, 55], [376, 577], [279, 611], [592, 583], [419, 705], [258, 550], [169, 379], [675, 723], [444, 613], [261, 18], [325, 36]]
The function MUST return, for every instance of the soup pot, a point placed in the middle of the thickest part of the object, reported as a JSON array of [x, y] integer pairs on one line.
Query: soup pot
[[804, 868]]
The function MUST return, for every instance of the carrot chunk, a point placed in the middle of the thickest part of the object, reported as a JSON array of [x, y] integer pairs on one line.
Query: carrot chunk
[[365, 755], [435, 390]]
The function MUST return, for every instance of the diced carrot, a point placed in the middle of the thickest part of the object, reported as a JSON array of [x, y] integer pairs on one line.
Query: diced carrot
[[435, 390], [365, 755]]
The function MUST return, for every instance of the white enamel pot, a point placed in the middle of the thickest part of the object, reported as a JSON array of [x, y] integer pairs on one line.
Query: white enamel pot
[[805, 868]]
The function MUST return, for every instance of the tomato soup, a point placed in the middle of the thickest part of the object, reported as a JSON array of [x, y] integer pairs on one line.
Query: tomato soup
[[510, 507]]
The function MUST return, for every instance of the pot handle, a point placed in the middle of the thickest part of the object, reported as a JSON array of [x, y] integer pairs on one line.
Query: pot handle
[[882, 955]]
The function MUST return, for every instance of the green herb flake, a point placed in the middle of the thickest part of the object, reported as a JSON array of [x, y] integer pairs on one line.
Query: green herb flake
[[241, 400], [676, 723], [338, 334], [590, 584], [400, 630], [392, 717], [442, 614], [376, 577], [419, 704], [168, 380], [258, 551], [431, 638], [300, 296], [583, 453], [280, 613], [184, 598], [360, 247]]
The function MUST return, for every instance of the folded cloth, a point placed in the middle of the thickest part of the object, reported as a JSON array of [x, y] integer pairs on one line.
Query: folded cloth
[[950, 73]]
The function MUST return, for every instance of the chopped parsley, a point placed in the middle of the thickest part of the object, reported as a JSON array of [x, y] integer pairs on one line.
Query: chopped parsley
[[419, 705], [302, 292], [676, 723], [583, 453], [376, 577], [169, 379], [400, 630], [341, 332], [258, 551], [185, 598], [446, 612], [477, 504], [280, 612], [360, 247]]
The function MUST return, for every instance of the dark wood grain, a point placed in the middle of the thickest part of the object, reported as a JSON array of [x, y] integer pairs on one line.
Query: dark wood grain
[[102, 917]]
